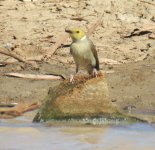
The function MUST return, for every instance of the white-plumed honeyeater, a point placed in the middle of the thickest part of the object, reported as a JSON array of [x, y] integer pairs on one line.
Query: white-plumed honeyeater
[[83, 51]]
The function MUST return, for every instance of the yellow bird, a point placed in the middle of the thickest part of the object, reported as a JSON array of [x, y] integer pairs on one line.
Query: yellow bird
[[83, 52]]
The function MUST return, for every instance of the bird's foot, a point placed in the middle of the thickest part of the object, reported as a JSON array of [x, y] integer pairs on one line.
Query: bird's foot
[[71, 79], [94, 74]]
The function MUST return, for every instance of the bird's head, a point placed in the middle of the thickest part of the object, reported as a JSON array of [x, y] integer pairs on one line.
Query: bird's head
[[75, 33]]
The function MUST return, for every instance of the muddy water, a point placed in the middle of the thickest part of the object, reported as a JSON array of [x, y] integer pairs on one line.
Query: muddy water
[[21, 134]]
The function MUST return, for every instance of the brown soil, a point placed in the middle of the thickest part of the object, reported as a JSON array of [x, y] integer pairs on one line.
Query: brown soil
[[33, 27], [132, 87]]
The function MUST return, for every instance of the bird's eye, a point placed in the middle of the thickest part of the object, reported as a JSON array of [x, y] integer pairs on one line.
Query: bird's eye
[[77, 31]]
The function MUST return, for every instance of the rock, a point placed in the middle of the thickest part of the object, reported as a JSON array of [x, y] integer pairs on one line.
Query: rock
[[84, 98], [86, 101]]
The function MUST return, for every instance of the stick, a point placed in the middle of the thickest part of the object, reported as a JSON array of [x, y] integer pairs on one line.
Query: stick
[[79, 19], [145, 29], [2, 64], [58, 44], [19, 58], [109, 61], [5, 63], [6, 105], [5, 52], [18, 110], [29, 59], [33, 76], [146, 2], [94, 26], [63, 38]]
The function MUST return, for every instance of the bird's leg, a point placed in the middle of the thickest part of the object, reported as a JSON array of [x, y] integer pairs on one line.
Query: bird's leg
[[77, 69], [71, 79], [94, 73]]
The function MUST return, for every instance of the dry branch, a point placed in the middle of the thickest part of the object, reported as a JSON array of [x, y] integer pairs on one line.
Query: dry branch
[[7, 105], [62, 39], [58, 44], [147, 2], [17, 57], [2, 64], [11, 54], [33, 76], [19, 109], [94, 26], [79, 19], [145, 29], [109, 61]]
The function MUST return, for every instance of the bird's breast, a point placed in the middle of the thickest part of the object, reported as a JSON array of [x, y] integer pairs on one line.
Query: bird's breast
[[82, 54]]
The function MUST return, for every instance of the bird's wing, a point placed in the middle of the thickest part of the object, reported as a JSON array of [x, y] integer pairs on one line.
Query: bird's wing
[[93, 49], [71, 48]]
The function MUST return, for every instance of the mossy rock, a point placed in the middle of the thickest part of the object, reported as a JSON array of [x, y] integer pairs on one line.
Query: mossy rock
[[86, 98]]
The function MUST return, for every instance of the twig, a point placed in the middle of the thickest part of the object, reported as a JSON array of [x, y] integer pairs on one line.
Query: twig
[[79, 19], [62, 39], [6, 63], [94, 26], [78, 10], [147, 2], [147, 29], [2, 64], [18, 110], [5, 52], [17, 57], [36, 58], [7, 105], [33, 76], [58, 44], [109, 61]]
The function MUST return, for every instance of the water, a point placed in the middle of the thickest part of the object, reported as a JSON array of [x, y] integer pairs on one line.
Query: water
[[21, 134]]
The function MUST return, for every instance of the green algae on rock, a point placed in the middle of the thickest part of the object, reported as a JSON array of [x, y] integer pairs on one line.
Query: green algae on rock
[[86, 98]]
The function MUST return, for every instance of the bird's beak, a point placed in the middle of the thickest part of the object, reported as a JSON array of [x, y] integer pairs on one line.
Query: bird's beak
[[68, 31]]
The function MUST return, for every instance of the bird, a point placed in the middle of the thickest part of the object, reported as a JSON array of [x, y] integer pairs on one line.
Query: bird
[[83, 51]]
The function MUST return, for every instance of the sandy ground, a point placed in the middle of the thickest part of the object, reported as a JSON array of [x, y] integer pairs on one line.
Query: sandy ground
[[125, 42]]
